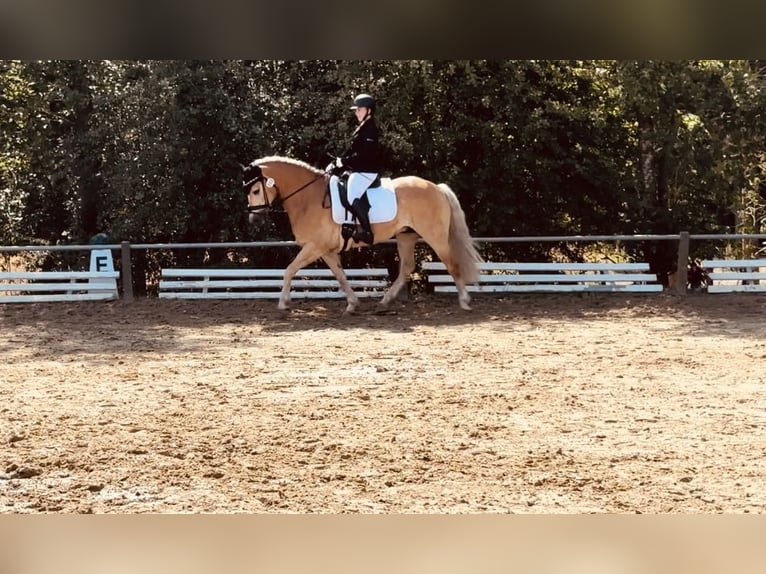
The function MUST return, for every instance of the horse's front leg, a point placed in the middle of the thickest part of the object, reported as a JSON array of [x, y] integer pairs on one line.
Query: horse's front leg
[[306, 255], [333, 262]]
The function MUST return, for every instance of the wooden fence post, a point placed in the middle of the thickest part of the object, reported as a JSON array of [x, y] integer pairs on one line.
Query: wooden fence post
[[127, 272], [682, 277]]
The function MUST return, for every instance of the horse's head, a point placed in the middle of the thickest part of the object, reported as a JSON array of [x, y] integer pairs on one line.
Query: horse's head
[[278, 179], [261, 190]]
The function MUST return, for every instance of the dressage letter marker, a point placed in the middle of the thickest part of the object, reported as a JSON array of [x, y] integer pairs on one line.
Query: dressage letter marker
[[101, 262]]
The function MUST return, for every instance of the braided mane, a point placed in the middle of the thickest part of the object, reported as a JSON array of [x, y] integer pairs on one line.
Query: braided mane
[[281, 159]]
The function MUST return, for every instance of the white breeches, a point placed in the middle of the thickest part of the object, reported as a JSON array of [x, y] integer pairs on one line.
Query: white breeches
[[358, 182]]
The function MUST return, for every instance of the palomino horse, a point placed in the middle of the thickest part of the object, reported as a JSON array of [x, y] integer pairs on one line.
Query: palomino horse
[[423, 209]]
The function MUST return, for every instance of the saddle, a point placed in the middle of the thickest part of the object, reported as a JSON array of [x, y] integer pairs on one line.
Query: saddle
[[343, 188], [380, 194]]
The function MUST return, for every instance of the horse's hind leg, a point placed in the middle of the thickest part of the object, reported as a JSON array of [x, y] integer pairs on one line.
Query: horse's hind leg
[[442, 250], [333, 262], [463, 297], [405, 245]]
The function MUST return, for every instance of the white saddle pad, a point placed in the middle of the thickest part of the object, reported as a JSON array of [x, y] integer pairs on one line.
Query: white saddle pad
[[382, 199]]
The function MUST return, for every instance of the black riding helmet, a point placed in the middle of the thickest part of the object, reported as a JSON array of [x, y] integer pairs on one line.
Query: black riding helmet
[[364, 101]]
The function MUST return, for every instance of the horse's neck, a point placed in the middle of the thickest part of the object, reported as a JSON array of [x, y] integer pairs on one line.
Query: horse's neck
[[299, 185]]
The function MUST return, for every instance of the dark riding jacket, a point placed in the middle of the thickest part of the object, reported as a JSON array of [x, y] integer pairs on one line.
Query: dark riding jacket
[[364, 153]]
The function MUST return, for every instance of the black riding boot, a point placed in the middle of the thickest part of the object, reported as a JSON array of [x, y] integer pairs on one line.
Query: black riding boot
[[361, 208]]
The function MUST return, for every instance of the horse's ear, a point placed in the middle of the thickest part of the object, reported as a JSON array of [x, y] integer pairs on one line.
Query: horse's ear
[[243, 166]]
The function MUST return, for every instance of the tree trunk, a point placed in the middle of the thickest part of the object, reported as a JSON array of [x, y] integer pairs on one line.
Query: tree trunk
[[655, 169]]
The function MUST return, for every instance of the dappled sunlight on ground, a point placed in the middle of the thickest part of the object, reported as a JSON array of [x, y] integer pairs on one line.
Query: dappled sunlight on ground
[[528, 404]]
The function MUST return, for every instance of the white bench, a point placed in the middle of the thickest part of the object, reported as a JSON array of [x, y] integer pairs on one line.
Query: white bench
[[267, 283], [51, 286], [550, 277], [735, 275]]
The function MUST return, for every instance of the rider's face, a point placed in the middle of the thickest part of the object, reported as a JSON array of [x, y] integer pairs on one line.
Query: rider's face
[[360, 113]]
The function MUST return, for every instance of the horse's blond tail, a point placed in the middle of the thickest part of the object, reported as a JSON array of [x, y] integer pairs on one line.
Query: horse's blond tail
[[461, 243]]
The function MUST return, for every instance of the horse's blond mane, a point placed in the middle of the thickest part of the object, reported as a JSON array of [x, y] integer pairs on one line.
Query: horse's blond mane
[[280, 159]]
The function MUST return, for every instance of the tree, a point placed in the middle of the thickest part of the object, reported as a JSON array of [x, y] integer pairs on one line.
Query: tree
[[149, 151]]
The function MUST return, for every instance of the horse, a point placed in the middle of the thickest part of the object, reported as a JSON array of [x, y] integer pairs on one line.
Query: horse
[[423, 209]]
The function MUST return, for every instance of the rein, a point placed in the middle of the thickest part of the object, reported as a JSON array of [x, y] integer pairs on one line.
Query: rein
[[301, 188], [264, 181]]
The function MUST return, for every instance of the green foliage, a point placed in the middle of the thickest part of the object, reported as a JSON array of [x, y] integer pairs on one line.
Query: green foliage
[[149, 151]]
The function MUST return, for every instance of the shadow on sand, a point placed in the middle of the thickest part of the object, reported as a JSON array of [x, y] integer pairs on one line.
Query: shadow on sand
[[147, 325]]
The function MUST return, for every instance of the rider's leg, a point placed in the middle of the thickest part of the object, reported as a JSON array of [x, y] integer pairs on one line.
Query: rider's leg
[[357, 185], [361, 208]]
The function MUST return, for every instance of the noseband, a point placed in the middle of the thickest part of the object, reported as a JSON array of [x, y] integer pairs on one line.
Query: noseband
[[253, 174]]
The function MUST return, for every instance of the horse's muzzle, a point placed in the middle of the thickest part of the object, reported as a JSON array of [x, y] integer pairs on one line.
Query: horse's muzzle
[[255, 213]]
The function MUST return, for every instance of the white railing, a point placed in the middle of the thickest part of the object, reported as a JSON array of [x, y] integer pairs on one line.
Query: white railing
[[126, 248]]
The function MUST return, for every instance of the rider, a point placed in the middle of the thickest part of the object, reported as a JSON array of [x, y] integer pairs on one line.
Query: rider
[[363, 162]]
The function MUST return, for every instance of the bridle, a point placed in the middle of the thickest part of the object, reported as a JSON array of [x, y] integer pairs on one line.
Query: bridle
[[253, 174]]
